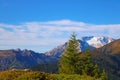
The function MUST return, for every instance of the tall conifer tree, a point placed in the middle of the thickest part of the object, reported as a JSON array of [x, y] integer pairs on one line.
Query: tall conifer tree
[[75, 62], [70, 56]]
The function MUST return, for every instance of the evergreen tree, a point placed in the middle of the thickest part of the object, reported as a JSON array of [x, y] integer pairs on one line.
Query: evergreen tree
[[80, 64], [96, 71], [104, 76], [75, 62], [88, 64], [70, 57]]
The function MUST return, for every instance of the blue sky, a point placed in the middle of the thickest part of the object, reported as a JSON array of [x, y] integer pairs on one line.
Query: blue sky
[[41, 25], [90, 11]]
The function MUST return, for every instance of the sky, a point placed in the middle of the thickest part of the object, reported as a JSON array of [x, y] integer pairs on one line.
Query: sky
[[41, 25]]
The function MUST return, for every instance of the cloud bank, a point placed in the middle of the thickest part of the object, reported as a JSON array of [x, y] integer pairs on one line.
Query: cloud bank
[[46, 35]]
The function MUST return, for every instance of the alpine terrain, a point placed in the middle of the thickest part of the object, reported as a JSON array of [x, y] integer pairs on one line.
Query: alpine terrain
[[90, 42]]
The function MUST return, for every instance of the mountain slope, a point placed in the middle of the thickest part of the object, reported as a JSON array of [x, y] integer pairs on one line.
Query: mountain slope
[[108, 58], [85, 43], [20, 59]]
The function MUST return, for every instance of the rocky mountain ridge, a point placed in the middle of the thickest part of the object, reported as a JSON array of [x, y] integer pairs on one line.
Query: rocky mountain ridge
[[89, 42], [20, 59]]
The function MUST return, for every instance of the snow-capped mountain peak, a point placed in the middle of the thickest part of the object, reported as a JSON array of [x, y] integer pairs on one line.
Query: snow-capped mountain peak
[[97, 41], [90, 42]]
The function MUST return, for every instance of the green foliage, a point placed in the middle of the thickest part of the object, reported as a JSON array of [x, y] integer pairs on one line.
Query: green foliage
[[10, 75], [104, 76], [24, 75], [72, 77], [96, 71], [74, 62], [70, 57], [35, 75], [88, 64]]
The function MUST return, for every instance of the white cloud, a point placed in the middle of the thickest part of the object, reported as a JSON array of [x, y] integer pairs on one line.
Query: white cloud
[[51, 33]]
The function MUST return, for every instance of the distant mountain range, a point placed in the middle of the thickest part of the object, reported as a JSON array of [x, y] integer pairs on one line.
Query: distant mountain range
[[90, 42], [19, 59]]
